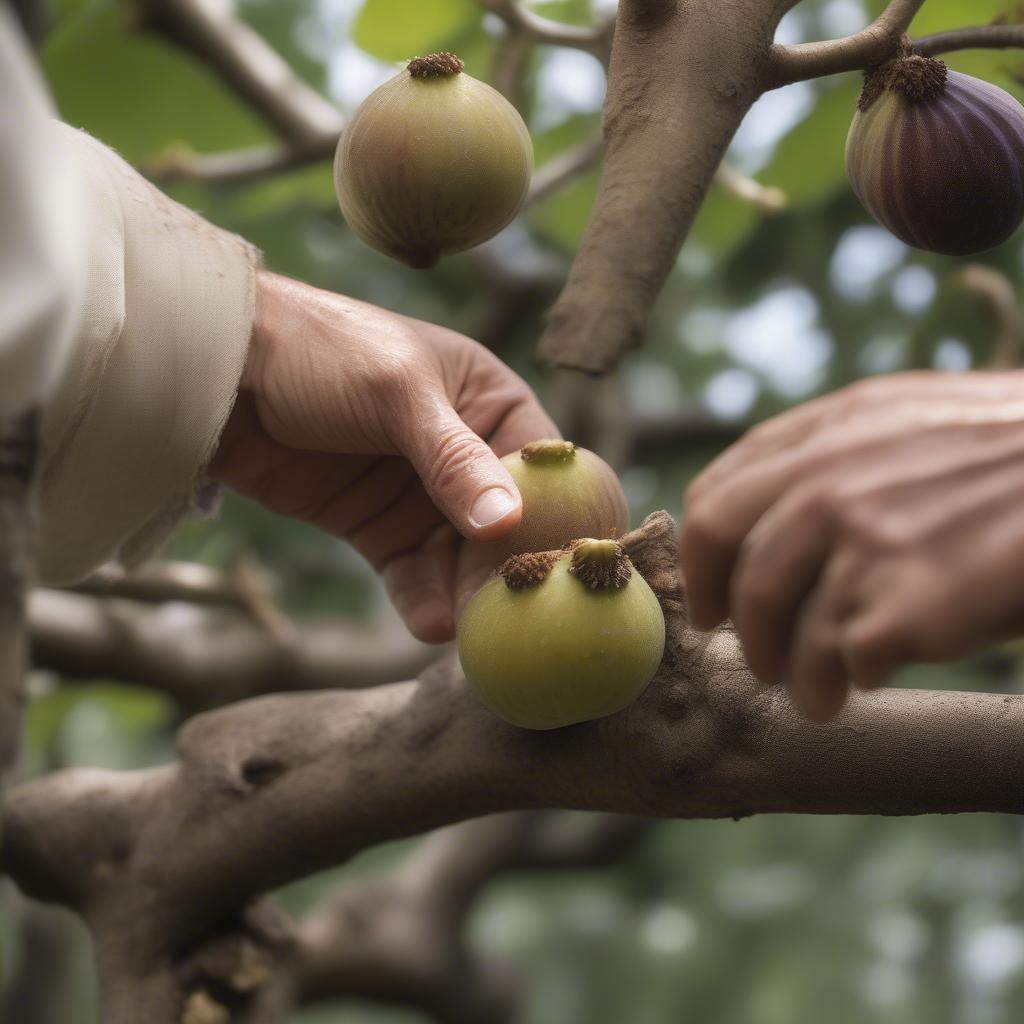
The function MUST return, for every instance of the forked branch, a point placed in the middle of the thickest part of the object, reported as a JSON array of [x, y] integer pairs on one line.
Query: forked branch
[[275, 788]]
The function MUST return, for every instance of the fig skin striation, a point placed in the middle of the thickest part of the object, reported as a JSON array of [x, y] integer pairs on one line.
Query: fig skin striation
[[937, 157], [432, 162]]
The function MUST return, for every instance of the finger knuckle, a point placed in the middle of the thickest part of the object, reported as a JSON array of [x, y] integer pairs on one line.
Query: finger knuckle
[[820, 505], [879, 640], [457, 452]]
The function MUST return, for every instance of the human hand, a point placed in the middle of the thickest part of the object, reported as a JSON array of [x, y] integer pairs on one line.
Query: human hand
[[369, 425], [875, 527]]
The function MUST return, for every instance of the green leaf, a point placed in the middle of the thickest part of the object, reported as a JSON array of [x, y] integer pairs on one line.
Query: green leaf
[[562, 217], [573, 12], [809, 163], [724, 223], [396, 30], [138, 94]]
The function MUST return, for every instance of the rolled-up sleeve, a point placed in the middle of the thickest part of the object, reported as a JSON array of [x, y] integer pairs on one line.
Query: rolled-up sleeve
[[164, 321]]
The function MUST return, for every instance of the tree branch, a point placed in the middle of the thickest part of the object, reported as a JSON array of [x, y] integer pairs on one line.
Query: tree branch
[[996, 292], [206, 659], [680, 80], [401, 938], [979, 37], [275, 788], [247, 63], [870, 46], [595, 40], [240, 165], [767, 198]]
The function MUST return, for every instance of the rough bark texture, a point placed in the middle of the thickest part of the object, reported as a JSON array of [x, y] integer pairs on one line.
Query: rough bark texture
[[275, 788], [682, 75]]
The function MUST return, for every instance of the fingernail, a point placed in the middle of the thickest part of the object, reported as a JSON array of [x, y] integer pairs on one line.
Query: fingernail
[[491, 507]]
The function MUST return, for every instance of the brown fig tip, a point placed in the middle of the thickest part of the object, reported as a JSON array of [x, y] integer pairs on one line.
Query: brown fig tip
[[548, 452], [435, 65], [522, 571], [916, 78], [600, 564]]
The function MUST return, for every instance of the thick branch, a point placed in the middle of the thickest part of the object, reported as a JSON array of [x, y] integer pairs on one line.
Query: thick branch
[[401, 938], [870, 46], [275, 788], [204, 658], [680, 79], [210, 30]]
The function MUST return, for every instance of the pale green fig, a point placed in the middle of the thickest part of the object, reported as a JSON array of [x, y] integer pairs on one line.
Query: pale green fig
[[562, 637], [432, 162], [567, 492]]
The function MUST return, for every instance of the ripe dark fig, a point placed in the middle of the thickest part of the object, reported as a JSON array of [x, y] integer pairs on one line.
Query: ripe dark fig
[[567, 492], [432, 162], [937, 157], [562, 637]]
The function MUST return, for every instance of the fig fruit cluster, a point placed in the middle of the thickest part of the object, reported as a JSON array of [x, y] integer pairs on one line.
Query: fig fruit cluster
[[432, 162], [566, 630], [937, 157]]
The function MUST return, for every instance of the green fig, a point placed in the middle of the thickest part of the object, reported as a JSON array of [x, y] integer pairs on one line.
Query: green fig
[[432, 162], [562, 637], [567, 492]]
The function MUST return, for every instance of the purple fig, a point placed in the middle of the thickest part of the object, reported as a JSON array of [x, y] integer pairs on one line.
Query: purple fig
[[937, 157]]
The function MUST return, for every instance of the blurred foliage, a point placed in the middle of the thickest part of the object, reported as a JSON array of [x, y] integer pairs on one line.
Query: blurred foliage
[[766, 921]]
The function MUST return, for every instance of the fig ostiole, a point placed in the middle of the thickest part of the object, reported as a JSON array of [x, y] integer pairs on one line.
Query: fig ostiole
[[432, 162], [937, 157], [562, 637]]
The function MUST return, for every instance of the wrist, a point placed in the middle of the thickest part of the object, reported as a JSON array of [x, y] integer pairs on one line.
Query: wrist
[[271, 301]]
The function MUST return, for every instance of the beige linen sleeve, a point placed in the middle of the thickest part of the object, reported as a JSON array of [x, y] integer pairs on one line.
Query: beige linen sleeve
[[163, 331], [40, 234]]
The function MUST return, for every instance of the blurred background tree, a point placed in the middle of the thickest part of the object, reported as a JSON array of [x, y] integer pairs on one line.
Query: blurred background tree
[[772, 920]]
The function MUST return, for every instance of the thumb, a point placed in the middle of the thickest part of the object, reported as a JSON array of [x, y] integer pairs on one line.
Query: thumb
[[462, 475]]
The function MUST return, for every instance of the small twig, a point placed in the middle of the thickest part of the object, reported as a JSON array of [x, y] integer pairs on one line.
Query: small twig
[[997, 293], [256, 595], [871, 45], [165, 580], [767, 198], [245, 61], [564, 168], [978, 37], [239, 165], [594, 39]]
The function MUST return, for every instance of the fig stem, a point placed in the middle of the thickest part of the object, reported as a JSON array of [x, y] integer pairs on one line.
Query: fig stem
[[600, 564], [917, 78], [435, 65], [549, 452]]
